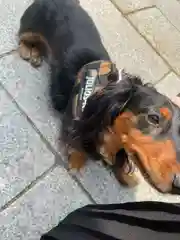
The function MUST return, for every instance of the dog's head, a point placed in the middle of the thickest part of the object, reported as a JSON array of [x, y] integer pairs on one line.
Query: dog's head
[[145, 124]]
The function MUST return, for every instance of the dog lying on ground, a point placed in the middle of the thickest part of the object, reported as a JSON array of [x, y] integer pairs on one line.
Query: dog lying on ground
[[124, 122]]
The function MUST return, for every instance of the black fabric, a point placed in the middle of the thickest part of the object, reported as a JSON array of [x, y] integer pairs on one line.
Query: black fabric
[[128, 221]]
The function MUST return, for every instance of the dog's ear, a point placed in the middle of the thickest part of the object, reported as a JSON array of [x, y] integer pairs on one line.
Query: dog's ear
[[131, 79]]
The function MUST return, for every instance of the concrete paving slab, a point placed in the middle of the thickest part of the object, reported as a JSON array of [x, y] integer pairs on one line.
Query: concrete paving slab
[[160, 33], [42, 207], [11, 12], [170, 85], [171, 10], [23, 156], [29, 87], [127, 48], [127, 6]]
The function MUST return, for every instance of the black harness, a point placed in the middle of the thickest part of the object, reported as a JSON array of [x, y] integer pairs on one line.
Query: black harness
[[92, 77]]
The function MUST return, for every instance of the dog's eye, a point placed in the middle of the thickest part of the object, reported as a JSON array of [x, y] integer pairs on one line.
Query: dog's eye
[[153, 119]]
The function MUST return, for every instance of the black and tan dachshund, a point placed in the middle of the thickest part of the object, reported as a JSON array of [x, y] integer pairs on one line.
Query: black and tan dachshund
[[108, 114]]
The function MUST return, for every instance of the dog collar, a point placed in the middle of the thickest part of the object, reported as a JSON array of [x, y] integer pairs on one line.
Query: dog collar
[[92, 77]]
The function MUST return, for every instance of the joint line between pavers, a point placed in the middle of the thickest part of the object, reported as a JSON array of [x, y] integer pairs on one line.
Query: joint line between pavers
[[28, 187], [85, 191], [168, 20], [36, 181], [149, 43], [138, 10], [162, 78], [5, 54], [153, 48]]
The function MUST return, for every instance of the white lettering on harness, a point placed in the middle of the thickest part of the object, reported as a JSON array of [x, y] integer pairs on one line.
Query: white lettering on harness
[[88, 89]]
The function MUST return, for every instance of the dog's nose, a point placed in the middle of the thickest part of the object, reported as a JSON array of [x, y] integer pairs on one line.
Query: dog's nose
[[176, 184]]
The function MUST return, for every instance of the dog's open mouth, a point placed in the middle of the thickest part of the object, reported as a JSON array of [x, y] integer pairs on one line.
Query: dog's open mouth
[[130, 163], [125, 169], [125, 159]]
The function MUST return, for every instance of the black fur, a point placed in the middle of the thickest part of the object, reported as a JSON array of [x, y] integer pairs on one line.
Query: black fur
[[72, 37]]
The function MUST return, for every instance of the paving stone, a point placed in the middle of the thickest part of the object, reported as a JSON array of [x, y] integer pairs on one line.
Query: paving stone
[[160, 33], [23, 156], [42, 207], [171, 10], [127, 48], [29, 87], [11, 12], [127, 6], [170, 85]]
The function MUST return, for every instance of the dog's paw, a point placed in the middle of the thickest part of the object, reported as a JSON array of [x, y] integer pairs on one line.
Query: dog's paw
[[76, 161], [30, 53]]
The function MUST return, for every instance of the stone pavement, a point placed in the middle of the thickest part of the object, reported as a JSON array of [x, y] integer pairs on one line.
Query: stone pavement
[[36, 190]]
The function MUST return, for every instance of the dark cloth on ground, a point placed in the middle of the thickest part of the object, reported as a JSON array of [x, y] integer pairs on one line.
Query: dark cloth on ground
[[127, 221]]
